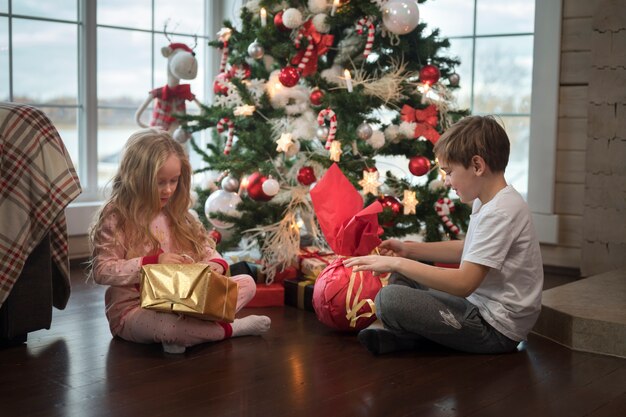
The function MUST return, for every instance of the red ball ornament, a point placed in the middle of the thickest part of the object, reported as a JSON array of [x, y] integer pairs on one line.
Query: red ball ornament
[[419, 165], [429, 74], [278, 22], [389, 202], [370, 169], [241, 71], [289, 76], [255, 187], [216, 236], [219, 85], [316, 97], [306, 176]]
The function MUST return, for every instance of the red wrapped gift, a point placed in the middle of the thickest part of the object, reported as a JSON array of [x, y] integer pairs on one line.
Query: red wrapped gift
[[343, 299], [272, 295], [291, 272]]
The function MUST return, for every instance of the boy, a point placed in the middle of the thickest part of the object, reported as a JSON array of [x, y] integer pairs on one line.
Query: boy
[[491, 302]]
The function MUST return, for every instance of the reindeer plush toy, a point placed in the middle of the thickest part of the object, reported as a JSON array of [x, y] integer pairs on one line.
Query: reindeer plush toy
[[170, 99]]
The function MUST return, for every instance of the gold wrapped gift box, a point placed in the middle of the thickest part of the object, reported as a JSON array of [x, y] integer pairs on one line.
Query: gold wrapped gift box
[[190, 289], [313, 261]]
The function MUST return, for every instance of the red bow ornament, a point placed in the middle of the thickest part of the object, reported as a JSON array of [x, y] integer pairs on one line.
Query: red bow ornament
[[426, 120], [321, 44]]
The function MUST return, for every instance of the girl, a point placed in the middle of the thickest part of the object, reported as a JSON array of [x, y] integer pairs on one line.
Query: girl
[[144, 221]]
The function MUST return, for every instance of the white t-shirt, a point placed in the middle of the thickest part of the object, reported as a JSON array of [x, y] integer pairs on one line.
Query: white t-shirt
[[501, 236]]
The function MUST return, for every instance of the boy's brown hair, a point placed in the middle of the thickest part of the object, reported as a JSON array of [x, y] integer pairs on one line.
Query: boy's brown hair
[[475, 135]]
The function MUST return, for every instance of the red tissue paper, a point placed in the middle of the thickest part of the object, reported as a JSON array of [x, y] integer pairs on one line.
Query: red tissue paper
[[343, 299]]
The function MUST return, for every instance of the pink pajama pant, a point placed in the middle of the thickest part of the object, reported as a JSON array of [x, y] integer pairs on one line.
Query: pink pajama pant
[[148, 326]]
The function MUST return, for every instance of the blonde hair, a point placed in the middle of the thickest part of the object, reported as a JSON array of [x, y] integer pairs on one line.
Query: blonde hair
[[475, 135], [135, 198]]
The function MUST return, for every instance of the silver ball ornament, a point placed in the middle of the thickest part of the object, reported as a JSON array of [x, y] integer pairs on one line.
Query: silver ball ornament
[[225, 202], [364, 131], [321, 132], [230, 184], [400, 16], [454, 79], [256, 50]]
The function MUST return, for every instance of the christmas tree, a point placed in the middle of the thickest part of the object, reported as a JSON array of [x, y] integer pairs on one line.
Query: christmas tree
[[305, 84]]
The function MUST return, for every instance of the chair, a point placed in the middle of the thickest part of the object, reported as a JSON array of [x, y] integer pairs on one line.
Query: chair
[[37, 182]]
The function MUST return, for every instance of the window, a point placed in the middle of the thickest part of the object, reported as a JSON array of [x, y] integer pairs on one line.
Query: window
[[494, 41], [130, 64], [89, 65]]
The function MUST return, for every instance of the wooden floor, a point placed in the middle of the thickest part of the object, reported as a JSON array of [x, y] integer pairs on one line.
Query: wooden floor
[[300, 368]]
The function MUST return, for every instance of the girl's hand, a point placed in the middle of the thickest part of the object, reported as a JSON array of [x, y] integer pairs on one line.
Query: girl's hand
[[174, 258], [374, 263], [393, 247]]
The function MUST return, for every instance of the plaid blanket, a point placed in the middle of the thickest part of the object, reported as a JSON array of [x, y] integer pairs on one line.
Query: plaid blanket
[[37, 182]]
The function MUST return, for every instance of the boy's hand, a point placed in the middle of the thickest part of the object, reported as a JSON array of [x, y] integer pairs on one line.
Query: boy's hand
[[393, 247], [174, 258], [374, 263]]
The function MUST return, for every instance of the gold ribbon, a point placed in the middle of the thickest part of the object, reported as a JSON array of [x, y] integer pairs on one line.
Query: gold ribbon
[[301, 290], [352, 311]]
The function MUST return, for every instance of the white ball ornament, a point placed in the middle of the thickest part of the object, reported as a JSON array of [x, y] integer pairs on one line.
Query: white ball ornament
[[407, 129], [292, 18], [318, 6], [377, 140], [400, 16], [320, 22], [224, 202], [436, 185], [270, 187], [392, 133]]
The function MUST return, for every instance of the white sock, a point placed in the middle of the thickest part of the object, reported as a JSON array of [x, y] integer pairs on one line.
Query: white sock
[[251, 326]]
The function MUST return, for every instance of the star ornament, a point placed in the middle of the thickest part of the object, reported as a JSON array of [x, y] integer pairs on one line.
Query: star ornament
[[409, 202], [335, 151], [370, 182], [284, 143], [245, 110], [224, 34]]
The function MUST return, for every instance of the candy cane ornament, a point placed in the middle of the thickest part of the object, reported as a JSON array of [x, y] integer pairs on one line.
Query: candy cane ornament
[[332, 130], [443, 207], [371, 30], [307, 53], [225, 121], [224, 59], [224, 35]]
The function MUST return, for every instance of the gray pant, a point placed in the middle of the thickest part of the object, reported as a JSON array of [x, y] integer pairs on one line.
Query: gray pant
[[413, 311]]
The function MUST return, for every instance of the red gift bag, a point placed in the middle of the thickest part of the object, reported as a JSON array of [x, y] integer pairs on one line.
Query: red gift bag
[[344, 300]]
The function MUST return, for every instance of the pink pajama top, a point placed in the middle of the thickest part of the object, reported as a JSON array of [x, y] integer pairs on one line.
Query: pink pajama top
[[113, 267]]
